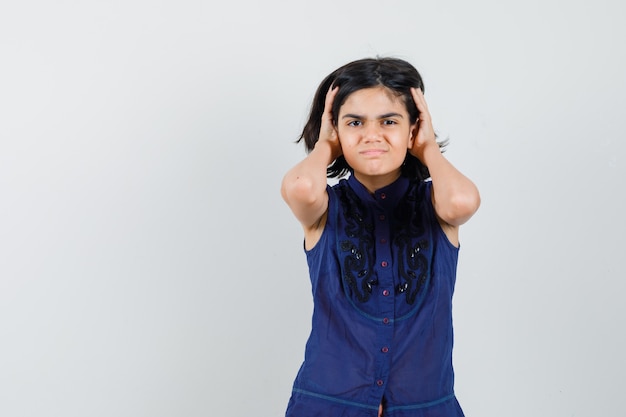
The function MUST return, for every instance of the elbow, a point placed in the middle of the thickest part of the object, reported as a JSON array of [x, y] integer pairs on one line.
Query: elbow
[[461, 208], [298, 189]]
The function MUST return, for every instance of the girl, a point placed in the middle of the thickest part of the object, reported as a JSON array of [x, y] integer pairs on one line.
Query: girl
[[381, 246]]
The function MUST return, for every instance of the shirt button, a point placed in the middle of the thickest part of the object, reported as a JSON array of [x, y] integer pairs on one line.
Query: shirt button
[[379, 382], [385, 293], [383, 196], [383, 241], [385, 349], [384, 264], [382, 217], [386, 320]]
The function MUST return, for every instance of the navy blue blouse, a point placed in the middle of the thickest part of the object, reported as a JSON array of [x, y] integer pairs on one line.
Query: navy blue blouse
[[382, 275]]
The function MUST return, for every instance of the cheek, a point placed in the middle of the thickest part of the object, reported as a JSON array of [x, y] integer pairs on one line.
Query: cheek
[[345, 139]]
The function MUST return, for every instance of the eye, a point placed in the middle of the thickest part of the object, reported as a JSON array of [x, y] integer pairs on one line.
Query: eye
[[355, 123], [389, 122]]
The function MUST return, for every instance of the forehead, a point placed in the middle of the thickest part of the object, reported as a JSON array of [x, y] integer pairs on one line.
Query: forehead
[[374, 99]]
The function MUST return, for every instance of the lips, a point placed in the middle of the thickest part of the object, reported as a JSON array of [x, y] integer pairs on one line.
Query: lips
[[372, 152]]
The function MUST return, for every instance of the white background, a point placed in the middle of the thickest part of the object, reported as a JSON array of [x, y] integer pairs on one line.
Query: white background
[[148, 266]]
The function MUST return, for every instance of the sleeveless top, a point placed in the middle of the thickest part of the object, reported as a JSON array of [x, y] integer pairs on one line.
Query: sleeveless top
[[382, 276]]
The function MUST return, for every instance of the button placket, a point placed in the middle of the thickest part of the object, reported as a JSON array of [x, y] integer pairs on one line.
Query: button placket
[[383, 250], [387, 302]]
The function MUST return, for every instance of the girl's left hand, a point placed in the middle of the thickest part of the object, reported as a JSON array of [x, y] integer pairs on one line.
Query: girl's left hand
[[424, 134]]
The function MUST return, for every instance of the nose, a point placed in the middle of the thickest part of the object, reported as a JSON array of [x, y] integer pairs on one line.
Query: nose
[[373, 132]]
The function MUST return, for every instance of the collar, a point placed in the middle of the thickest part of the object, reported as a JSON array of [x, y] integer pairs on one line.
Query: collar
[[388, 196]]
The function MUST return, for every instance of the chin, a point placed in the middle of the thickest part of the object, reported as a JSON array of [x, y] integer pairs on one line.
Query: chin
[[379, 171]]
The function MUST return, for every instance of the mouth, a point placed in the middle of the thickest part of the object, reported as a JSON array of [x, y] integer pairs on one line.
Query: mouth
[[372, 152]]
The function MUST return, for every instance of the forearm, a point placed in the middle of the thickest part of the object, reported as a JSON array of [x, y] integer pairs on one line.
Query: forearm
[[455, 197]]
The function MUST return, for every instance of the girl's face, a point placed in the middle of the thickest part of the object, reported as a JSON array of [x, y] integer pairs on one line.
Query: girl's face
[[375, 132]]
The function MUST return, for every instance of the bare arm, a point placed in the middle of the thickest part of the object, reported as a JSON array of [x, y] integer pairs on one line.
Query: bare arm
[[304, 186], [455, 197]]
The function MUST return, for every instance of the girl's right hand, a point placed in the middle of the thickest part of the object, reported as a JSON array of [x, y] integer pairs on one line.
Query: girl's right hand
[[328, 131]]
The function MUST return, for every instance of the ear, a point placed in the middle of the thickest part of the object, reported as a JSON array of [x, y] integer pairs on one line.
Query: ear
[[412, 133]]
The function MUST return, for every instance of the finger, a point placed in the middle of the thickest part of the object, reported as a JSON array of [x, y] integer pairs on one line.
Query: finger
[[420, 103], [328, 103], [327, 128]]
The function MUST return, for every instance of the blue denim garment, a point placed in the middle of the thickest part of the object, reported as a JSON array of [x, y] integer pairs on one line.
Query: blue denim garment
[[382, 276]]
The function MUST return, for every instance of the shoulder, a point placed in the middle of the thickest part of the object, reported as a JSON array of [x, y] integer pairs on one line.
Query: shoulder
[[313, 233], [421, 202], [450, 231], [336, 198]]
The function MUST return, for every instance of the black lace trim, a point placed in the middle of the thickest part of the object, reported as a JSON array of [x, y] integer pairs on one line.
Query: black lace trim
[[358, 265], [410, 238], [412, 244], [413, 268]]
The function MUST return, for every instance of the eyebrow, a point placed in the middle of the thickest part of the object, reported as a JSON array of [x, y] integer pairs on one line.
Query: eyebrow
[[382, 116]]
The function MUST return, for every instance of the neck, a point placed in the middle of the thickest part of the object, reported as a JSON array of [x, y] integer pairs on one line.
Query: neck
[[376, 182]]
